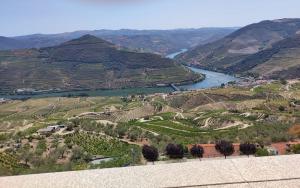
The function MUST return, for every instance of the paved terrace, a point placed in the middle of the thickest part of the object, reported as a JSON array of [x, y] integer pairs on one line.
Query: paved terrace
[[277, 171]]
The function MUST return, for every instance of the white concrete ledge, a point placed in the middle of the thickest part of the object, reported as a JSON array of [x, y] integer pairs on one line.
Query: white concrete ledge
[[277, 171]]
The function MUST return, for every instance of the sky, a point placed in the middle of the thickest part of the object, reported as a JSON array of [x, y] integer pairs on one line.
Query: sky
[[21, 17]]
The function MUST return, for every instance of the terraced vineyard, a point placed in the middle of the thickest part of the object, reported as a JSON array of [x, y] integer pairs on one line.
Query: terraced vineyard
[[169, 128], [116, 127], [9, 161], [121, 152]]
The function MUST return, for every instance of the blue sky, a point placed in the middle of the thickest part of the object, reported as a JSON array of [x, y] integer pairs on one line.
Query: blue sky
[[19, 17]]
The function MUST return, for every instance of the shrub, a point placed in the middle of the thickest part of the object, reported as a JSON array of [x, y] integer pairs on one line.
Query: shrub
[[174, 151], [150, 153], [248, 149], [262, 152], [283, 81], [121, 131], [70, 128], [281, 108], [197, 151], [296, 149], [224, 147]]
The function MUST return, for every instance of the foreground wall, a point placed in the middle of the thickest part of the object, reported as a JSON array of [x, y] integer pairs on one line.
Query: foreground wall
[[277, 171]]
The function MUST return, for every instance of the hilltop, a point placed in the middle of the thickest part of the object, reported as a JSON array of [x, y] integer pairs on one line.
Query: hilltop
[[87, 63], [228, 54]]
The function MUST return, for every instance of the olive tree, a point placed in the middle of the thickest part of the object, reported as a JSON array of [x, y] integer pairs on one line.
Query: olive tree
[[248, 149], [61, 151], [197, 151], [225, 148], [174, 151], [150, 153]]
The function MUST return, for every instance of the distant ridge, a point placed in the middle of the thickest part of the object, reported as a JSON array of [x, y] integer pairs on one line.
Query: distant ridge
[[10, 43], [154, 41]]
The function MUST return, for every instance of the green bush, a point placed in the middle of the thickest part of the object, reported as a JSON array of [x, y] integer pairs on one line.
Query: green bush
[[262, 152], [41, 147], [296, 149], [281, 108]]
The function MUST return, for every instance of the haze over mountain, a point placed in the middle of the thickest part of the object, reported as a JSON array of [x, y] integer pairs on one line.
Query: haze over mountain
[[87, 63], [235, 53], [10, 43], [154, 41]]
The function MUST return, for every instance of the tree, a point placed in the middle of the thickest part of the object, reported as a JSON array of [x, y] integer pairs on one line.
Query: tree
[[224, 147], [150, 153], [27, 156], [77, 153], [61, 151], [248, 149], [174, 151], [197, 151]]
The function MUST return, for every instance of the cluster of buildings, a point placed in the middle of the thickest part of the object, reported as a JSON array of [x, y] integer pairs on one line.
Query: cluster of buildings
[[252, 82]]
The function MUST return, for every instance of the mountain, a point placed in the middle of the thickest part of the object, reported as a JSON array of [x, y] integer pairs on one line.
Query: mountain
[[280, 61], [154, 41], [228, 54], [10, 43], [86, 63]]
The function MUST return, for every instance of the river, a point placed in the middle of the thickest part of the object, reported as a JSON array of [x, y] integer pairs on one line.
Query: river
[[213, 79]]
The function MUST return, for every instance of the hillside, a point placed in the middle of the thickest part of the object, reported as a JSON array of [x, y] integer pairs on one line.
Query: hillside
[[10, 43], [280, 61], [226, 55], [155, 41], [86, 63], [114, 127]]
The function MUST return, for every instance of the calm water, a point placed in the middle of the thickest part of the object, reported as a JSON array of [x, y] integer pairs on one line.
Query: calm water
[[213, 79], [172, 56]]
